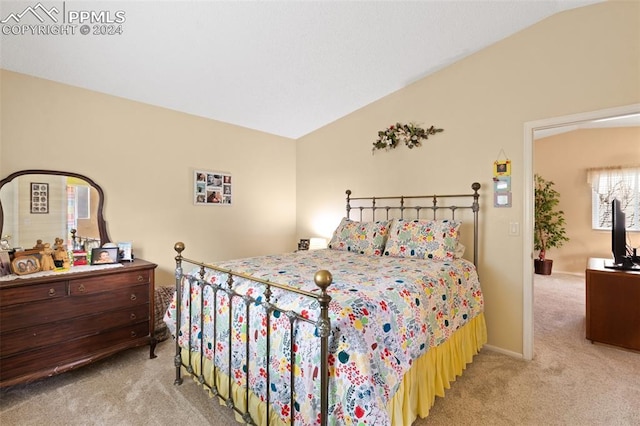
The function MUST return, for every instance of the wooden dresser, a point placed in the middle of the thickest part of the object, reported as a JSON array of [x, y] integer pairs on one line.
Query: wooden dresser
[[51, 324]]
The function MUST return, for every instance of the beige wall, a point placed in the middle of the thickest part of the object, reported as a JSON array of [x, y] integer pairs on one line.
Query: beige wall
[[582, 60], [564, 159], [144, 157]]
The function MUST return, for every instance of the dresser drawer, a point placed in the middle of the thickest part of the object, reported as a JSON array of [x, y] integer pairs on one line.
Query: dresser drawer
[[57, 358], [108, 282], [58, 332], [31, 293], [63, 308]]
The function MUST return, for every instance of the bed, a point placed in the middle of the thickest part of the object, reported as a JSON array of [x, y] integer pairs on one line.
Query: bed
[[365, 332]]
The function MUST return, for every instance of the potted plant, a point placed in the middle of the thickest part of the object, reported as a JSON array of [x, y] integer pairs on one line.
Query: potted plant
[[549, 229]]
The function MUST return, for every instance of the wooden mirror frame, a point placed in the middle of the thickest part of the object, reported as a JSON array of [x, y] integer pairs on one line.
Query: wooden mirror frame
[[102, 225]]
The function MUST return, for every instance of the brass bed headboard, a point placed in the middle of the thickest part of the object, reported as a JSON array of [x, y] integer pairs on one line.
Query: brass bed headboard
[[402, 203]]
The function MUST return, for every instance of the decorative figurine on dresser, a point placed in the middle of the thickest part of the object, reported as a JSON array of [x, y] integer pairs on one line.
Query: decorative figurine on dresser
[[46, 258], [61, 255], [64, 316]]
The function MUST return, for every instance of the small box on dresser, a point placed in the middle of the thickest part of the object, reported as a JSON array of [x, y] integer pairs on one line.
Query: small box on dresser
[[49, 325]]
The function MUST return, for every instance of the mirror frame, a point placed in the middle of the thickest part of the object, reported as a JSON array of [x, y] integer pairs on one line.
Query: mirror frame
[[102, 225]]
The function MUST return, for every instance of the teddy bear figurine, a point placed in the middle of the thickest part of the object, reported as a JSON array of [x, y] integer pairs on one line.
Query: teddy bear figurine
[[46, 261], [60, 253]]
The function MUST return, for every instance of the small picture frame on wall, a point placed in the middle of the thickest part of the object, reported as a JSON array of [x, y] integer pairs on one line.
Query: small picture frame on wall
[[104, 255], [502, 199], [502, 184], [39, 198], [502, 168], [212, 188]]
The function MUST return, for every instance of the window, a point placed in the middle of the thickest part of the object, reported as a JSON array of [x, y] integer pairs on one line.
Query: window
[[622, 183], [78, 204], [82, 202]]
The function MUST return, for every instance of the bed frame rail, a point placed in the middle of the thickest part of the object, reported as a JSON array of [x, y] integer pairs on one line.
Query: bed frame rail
[[322, 279]]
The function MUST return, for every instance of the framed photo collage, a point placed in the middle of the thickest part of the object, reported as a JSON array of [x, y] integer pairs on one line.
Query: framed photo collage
[[212, 188]]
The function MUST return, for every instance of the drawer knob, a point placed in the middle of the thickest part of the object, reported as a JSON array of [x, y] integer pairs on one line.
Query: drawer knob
[[133, 296], [140, 278], [81, 288], [52, 292], [132, 316], [133, 334]]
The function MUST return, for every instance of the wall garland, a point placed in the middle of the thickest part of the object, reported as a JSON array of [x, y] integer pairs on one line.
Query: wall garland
[[410, 134]]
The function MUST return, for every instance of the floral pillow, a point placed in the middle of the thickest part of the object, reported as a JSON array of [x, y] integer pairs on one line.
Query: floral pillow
[[368, 238], [424, 239]]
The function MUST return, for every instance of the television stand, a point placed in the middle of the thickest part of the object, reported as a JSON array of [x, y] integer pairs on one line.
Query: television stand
[[612, 297], [622, 266], [628, 264]]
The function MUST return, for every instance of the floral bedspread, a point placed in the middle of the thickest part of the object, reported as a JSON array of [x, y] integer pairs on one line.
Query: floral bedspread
[[385, 313]]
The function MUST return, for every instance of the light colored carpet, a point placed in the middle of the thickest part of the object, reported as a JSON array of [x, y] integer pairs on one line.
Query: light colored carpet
[[570, 382]]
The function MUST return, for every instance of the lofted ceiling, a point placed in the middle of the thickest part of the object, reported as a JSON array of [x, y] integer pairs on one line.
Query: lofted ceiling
[[282, 67]]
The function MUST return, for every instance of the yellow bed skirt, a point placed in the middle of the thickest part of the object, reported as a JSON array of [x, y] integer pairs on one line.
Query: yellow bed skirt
[[429, 376], [433, 372]]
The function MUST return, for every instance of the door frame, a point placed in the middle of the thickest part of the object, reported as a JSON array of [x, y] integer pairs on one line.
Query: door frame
[[528, 191]]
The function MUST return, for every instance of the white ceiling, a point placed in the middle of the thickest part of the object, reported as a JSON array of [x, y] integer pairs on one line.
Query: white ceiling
[[285, 68]]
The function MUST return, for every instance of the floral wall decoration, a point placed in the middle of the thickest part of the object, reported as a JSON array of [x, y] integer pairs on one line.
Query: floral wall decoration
[[410, 134]]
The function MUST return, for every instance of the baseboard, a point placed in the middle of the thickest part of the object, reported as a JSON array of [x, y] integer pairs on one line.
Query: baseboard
[[503, 351]]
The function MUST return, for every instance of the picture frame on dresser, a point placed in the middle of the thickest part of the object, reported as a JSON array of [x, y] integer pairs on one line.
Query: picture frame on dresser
[[125, 251], [24, 265], [104, 255], [5, 263]]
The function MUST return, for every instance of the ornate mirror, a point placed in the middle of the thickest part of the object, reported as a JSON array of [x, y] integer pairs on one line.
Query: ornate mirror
[[48, 204]]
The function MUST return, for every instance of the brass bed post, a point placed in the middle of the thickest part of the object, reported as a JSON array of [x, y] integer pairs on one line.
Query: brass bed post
[[229, 401], [247, 312], [348, 192], [323, 280], [268, 308], [435, 206], [373, 210], [203, 286], [476, 208], [179, 248]]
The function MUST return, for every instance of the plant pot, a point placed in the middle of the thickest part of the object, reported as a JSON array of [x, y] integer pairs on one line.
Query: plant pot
[[543, 267]]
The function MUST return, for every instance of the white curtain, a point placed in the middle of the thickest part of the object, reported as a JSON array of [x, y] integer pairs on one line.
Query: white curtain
[[621, 182]]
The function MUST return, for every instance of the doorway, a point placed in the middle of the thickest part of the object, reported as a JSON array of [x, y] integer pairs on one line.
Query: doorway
[[530, 129]]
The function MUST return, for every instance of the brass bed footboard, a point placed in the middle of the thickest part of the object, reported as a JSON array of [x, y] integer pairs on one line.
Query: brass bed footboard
[[322, 279]]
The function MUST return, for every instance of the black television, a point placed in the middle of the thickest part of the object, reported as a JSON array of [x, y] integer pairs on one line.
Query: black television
[[622, 258]]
